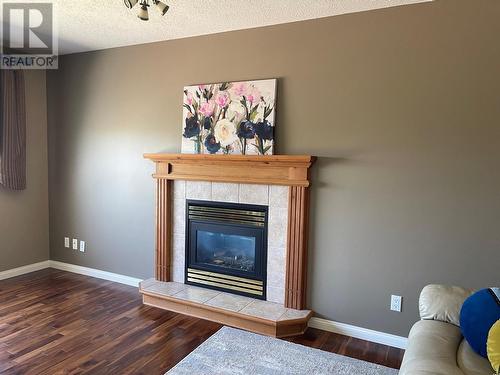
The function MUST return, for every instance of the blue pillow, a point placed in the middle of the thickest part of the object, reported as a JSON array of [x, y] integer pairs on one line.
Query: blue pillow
[[479, 312]]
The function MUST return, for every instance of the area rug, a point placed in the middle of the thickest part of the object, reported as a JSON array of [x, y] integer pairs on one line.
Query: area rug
[[232, 351]]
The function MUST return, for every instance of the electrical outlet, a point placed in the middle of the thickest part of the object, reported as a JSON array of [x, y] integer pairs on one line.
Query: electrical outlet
[[396, 303], [75, 244], [66, 242], [82, 246]]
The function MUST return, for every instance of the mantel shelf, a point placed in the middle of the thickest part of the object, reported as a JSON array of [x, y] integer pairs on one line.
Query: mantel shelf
[[289, 170]]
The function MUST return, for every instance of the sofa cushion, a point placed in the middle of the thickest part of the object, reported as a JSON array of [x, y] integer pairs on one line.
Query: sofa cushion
[[479, 312], [432, 349], [493, 346], [443, 303], [470, 362]]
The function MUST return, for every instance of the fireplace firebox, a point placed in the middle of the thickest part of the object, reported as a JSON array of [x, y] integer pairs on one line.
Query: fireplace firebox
[[226, 247]]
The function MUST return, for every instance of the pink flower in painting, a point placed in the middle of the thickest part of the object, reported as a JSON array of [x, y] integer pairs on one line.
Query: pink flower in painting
[[253, 95], [222, 99], [207, 108], [202, 87], [239, 88], [189, 98]]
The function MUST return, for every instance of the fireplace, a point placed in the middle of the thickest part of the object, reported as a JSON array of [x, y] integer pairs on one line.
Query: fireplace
[[226, 247]]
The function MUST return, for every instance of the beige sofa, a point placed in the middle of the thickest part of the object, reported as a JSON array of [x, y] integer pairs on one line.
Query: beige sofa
[[435, 343]]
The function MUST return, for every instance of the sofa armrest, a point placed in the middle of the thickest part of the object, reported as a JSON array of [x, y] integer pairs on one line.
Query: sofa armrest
[[443, 303], [432, 349]]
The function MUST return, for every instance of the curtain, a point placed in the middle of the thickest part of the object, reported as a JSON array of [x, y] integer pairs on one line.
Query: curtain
[[12, 130]]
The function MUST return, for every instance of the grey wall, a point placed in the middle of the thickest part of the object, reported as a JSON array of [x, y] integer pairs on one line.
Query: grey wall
[[24, 215], [401, 105]]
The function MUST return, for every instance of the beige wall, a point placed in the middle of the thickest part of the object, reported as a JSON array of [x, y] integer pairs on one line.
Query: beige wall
[[401, 105], [24, 215]]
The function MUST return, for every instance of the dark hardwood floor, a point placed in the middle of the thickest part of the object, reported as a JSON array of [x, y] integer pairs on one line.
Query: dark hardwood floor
[[55, 322]]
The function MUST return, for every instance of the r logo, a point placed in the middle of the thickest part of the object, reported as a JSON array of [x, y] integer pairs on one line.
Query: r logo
[[28, 28]]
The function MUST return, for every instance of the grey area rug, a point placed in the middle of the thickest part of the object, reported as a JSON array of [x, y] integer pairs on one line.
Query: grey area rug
[[232, 351]]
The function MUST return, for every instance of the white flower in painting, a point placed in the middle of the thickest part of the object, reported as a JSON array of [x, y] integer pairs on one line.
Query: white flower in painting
[[235, 112], [225, 132]]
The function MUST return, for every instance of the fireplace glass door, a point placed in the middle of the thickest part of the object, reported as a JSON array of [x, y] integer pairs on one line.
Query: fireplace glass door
[[230, 251]]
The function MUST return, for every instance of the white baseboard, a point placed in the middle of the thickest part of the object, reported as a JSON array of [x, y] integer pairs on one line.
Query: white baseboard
[[23, 270], [117, 278], [359, 332]]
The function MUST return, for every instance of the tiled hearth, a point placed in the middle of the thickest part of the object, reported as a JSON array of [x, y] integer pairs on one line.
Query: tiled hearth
[[276, 197], [259, 316], [226, 301]]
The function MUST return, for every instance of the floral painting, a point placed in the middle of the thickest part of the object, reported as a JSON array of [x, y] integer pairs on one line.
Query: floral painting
[[229, 118]]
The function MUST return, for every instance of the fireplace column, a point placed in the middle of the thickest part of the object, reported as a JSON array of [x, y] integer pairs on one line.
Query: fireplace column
[[163, 253], [296, 257]]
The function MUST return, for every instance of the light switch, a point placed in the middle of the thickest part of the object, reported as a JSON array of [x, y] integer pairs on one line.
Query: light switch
[[75, 244], [82, 246], [66, 242]]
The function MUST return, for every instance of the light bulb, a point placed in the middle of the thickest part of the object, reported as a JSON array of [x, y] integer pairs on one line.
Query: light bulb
[[143, 12], [162, 7]]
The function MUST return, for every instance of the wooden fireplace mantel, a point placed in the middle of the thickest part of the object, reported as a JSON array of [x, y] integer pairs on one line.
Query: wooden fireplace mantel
[[287, 170], [290, 170]]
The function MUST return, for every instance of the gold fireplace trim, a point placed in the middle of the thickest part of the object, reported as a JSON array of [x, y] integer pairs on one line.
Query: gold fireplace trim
[[254, 218], [223, 276], [241, 284], [257, 224], [228, 211]]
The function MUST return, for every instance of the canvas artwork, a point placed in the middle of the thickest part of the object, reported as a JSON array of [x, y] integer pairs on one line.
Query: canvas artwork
[[229, 118]]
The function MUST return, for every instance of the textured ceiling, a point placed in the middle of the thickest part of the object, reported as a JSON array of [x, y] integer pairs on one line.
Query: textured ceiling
[[86, 25]]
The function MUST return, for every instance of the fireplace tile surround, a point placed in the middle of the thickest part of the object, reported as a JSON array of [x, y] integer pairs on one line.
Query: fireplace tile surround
[[273, 196]]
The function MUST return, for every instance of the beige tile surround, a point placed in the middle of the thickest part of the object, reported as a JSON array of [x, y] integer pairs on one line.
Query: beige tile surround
[[276, 197]]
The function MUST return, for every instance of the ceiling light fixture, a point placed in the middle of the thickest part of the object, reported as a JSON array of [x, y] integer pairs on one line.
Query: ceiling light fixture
[[144, 4]]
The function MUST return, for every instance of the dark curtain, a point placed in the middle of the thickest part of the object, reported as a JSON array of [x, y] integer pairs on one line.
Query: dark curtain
[[12, 130]]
